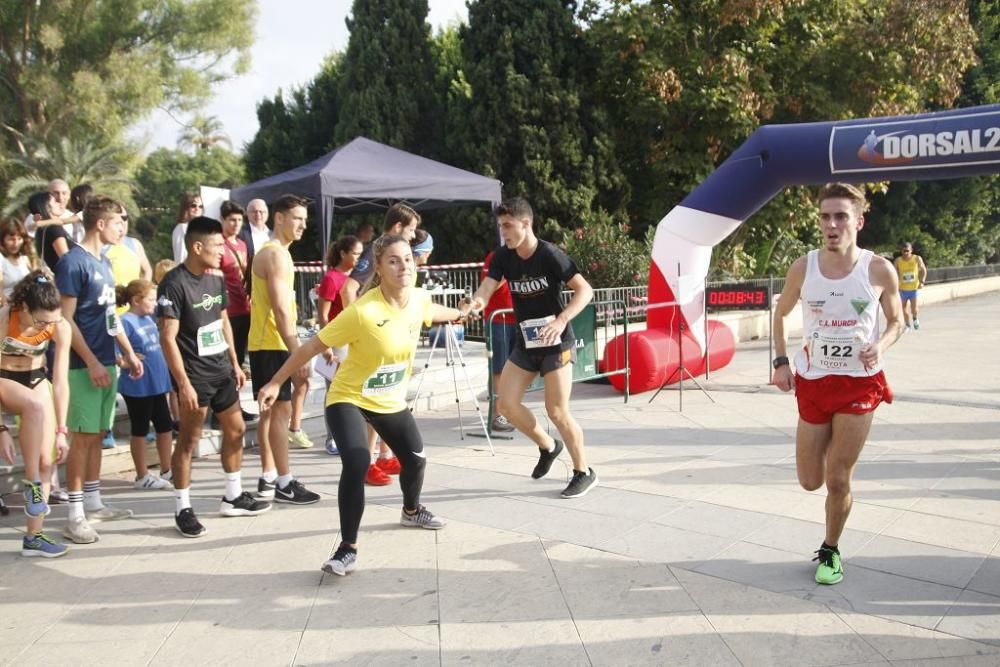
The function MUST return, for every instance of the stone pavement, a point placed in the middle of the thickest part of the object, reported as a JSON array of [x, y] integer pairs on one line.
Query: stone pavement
[[694, 550]]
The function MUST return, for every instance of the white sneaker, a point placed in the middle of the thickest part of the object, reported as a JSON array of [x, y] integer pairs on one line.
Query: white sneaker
[[108, 513], [424, 518], [79, 531], [150, 482]]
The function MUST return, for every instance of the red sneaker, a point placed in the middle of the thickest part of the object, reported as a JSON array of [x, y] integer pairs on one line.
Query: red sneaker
[[376, 477], [389, 466]]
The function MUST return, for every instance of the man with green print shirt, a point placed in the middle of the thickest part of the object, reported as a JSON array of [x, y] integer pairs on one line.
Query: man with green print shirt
[[197, 342]]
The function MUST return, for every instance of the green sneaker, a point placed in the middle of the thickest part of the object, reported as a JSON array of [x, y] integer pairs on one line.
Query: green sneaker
[[829, 571]]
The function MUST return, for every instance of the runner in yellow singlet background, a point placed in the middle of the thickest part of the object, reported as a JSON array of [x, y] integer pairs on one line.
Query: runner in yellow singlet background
[[912, 276]]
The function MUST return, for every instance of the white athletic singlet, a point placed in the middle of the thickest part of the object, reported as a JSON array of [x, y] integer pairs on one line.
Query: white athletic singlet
[[838, 318]]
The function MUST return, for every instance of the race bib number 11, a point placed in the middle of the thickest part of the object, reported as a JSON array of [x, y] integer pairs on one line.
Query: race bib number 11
[[211, 339], [387, 379]]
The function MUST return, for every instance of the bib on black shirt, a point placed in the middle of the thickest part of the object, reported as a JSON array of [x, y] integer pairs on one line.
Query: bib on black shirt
[[197, 303], [536, 284]]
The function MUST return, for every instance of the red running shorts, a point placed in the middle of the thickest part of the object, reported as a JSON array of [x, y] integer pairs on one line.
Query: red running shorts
[[824, 397]]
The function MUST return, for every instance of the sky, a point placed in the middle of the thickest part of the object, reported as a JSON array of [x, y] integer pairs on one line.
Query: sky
[[293, 38]]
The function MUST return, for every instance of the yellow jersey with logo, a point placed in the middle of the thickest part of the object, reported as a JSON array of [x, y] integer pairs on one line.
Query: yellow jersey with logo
[[263, 329], [909, 275], [381, 340], [125, 266]]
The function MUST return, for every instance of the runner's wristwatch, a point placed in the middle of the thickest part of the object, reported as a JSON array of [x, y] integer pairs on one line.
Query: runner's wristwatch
[[779, 362]]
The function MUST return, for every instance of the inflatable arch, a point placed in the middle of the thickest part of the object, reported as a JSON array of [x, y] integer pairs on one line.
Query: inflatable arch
[[946, 144]]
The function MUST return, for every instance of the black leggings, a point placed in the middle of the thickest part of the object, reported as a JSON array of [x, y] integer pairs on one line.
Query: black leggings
[[143, 409], [398, 430]]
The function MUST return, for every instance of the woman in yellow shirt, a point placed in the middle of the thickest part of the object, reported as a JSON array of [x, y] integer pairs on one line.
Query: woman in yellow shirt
[[381, 330]]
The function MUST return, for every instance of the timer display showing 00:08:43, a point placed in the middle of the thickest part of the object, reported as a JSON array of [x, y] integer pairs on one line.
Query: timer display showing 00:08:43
[[737, 299]]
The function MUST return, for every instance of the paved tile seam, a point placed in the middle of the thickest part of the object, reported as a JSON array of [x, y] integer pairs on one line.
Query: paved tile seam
[[707, 617], [305, 627], [562, 594], [194, 602], [857, 634], [982, 648], [437, 585]]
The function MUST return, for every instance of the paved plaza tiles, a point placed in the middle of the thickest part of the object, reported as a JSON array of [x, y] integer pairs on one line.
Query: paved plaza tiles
[[694, 550]]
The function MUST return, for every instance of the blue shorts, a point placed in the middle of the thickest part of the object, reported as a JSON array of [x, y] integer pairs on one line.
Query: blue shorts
[[908, 294], [504, 336]]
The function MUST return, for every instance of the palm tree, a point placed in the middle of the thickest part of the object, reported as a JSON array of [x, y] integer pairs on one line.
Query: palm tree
[[203, 133], [73, 160]]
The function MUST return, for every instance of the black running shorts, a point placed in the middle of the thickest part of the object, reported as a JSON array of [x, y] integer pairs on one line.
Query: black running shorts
[[542, 361]]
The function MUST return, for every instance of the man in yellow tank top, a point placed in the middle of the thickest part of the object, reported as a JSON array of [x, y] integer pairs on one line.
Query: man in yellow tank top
[[272, 340], [912, 276]]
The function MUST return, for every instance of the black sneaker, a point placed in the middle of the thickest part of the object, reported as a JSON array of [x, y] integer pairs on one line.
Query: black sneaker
[[265, 489], [188, 524], [545, 460], [343, 560], [295, 494], [581, 483], [243, 505]]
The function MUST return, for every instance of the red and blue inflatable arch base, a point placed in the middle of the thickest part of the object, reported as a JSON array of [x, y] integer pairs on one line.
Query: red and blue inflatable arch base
[[945, 144]]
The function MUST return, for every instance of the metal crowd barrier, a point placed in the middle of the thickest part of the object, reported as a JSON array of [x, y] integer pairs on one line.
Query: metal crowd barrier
[[591, 338]]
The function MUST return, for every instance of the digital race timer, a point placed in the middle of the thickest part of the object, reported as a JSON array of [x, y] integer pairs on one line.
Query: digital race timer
[[737, 297]]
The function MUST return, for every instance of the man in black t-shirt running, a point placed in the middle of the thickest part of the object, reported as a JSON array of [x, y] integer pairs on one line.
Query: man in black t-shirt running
[[536, 271], [197, 342]]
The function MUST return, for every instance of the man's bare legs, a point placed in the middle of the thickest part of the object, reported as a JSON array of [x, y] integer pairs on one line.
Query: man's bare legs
[[276, 430], [514, 382], [827, 454]]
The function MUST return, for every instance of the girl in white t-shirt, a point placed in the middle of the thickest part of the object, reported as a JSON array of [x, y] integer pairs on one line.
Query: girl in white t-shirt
[[17, 257]]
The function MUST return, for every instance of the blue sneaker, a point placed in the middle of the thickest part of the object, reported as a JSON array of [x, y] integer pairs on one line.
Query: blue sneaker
[[34, 501], [43, 546], [109, 440], [151, 436], [331, 447]]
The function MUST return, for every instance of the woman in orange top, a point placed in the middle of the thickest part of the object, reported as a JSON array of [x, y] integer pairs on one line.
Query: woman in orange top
[[32, 319]]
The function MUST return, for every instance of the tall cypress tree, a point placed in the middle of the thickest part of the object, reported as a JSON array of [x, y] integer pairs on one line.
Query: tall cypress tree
[[525, 121], [296, 128], [385, 91]]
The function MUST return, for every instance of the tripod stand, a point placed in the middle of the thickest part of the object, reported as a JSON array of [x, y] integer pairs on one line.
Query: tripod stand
[[680, 372], [453, 351]]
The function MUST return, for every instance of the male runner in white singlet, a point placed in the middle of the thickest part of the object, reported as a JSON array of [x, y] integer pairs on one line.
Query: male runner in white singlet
[[838, 376]]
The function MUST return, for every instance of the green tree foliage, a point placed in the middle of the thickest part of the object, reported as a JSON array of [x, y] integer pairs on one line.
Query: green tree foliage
[[953, 222], [93, 67], [950, 223], [104, 166], [385, 91], [297, 130], [82, 71], [688, 81], [524, 121], [607, 255], [168, 173]]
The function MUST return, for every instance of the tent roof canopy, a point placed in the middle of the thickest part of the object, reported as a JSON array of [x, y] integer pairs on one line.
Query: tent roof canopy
[[364, 176]]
